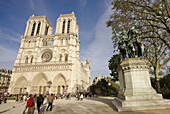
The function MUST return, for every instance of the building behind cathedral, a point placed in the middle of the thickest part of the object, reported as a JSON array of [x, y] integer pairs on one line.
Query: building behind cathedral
[[5, 76], [50, 63]]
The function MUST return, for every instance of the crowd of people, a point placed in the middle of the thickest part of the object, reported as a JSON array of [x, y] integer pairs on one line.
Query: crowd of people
[[34, 102]]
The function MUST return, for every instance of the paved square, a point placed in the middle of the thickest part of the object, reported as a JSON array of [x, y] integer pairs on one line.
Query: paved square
[[100, 105]]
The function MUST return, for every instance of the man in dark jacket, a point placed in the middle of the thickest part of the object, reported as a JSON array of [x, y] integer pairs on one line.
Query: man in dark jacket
[[39, 102]]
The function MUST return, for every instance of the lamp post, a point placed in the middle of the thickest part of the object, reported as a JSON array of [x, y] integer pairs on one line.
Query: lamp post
[[49, 85]]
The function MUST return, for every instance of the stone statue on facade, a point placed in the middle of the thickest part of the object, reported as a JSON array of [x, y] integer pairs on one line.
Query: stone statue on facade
[[130, 45]]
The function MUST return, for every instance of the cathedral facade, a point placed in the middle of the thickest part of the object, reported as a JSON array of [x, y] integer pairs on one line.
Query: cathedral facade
[[50, 63]]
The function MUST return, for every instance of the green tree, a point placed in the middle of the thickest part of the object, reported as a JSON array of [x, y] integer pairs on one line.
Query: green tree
[[148, 16], [113, 63], [151, 18], [165, 86], [104, 88]]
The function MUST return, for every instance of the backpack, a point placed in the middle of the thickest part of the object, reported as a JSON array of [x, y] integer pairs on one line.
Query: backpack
[[30, 102]]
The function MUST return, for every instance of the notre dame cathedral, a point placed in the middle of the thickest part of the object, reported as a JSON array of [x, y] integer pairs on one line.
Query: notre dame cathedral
[[50, 63]]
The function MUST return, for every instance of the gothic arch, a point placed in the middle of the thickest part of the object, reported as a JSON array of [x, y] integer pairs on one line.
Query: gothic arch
[[63, 51], [40, 80], [59, 79], [59, 84], [21, 82]]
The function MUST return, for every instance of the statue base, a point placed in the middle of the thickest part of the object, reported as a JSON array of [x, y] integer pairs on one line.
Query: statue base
[[136, 92]]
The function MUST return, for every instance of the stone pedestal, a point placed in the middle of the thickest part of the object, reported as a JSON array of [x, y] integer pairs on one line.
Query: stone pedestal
[[136, 92]]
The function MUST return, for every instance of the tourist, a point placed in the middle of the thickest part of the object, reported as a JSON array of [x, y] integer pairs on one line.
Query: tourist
[[39, 102], [50, 103], [25, 98], [17, 98], [81, 97], [5, 100], [21, 98], [78, 96], [31, 104]]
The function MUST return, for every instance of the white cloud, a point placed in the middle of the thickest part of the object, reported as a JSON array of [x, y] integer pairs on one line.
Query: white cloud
[[9, 35], [101, 49], [32, 5], [8, 55]]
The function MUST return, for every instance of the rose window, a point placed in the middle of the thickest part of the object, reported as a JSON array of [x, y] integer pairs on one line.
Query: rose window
[[46, 57]]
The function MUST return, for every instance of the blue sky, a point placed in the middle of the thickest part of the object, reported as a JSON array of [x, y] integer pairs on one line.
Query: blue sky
[[94, 36]]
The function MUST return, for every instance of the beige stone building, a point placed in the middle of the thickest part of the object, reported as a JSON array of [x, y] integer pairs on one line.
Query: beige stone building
[[5, 76], [99, 78], [50, 63]]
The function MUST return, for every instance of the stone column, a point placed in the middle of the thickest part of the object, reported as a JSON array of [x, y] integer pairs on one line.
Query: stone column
[[29, 87], [40, 32], [35, 30], [66, 24], [43, 28], [26, 30], [58, 26]]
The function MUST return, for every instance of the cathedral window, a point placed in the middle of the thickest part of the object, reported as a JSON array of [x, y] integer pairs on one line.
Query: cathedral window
[[33, 28], [66, 57], [31, 59], [26, 60], [38, 28], [68, 27], [63, 26], [60, 58], [46, 30]]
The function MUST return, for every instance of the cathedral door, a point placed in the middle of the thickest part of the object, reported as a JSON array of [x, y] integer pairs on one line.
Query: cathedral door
[[40, 89], [44, 90], [58, 90], [20, 92]]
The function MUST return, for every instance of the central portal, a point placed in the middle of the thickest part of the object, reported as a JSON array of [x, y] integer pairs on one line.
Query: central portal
[[59, 84]]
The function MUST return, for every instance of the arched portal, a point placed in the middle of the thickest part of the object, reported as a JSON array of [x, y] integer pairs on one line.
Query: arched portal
[[59, 84], [39, 84], [20, 85]]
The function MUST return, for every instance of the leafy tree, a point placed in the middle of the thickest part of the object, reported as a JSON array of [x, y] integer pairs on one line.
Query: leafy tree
[[158, 56], [104, 89], [148, 16], [113, 63], [164, 85], [151, 18]]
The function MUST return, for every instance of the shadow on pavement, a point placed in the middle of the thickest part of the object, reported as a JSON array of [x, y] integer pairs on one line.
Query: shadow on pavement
[[108, 102], [43, 108], [4, 111]]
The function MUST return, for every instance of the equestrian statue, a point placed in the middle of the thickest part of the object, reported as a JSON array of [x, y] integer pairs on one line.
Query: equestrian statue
[[130, 45]]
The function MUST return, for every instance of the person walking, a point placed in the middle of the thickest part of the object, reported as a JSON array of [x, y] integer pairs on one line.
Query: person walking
[[31, 105], [81, 96], [50, 103], [39, 102], [78, 96]]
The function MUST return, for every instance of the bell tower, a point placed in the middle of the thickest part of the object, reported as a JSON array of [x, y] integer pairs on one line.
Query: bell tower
[[67, 24], [37, 26]]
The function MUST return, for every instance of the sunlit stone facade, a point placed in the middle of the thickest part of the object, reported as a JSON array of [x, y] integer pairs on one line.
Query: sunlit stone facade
[[50, 63]]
